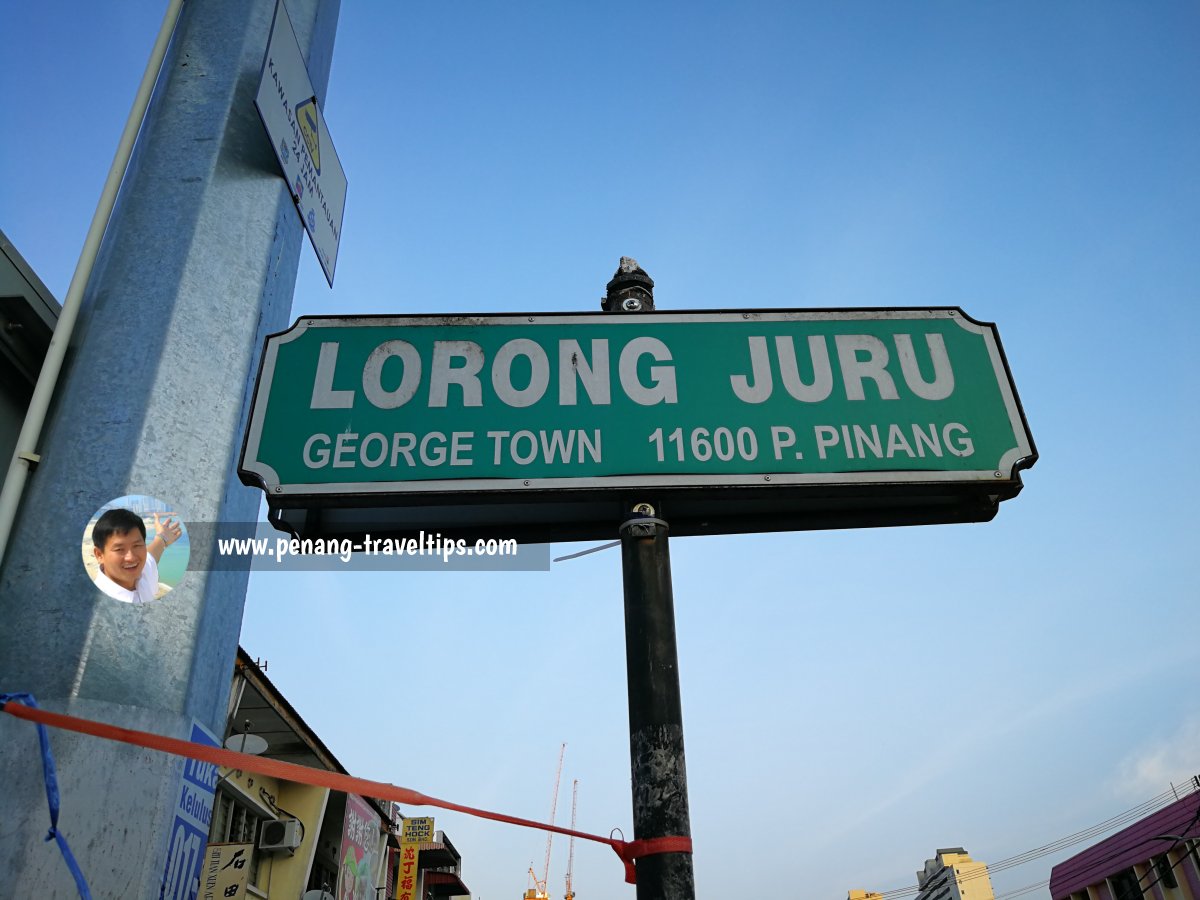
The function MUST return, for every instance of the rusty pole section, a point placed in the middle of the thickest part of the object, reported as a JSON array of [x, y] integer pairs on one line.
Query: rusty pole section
[[660, 802]]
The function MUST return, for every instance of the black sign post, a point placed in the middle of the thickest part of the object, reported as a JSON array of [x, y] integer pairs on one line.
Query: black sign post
[[659, 774]]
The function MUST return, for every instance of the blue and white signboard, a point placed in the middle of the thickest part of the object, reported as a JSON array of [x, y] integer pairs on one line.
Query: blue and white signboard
[[289, 111], [193, 815]]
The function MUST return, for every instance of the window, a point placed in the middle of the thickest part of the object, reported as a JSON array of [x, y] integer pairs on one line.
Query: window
[[1125, 886], [235, 822], [322, 877], [1165, 871]]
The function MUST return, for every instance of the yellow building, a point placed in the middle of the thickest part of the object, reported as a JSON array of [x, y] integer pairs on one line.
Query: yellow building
[[953, 875]]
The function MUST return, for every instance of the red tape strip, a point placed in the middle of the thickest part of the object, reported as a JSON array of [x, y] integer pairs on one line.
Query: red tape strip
[[633, 850], [628, 851]]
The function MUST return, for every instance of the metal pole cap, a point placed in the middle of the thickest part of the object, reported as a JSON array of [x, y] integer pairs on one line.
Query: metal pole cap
[[630, 290]]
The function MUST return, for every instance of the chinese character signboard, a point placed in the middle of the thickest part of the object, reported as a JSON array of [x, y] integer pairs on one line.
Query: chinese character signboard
[[414, 832], [541, 426], [226, 871], [359, 857], [407, 873]]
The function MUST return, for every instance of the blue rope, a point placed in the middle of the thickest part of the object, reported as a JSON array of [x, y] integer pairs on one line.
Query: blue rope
[[52, 797]]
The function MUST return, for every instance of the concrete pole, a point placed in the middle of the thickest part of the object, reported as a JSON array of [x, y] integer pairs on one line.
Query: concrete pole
[[197, 266], [659, 773]]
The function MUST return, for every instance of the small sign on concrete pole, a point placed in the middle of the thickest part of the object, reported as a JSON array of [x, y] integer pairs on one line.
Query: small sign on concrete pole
[[287, 105]]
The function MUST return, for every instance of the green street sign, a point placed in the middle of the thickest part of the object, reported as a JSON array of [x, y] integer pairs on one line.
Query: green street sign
[[545, 424]]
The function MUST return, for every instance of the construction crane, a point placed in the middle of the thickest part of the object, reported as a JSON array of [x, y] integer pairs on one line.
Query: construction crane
[[570, 895], [538, 891]]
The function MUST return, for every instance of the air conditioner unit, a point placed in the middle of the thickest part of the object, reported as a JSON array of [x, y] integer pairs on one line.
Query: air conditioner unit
[[280, 834]]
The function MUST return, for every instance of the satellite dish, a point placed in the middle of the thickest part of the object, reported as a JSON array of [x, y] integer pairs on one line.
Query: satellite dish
[[246, 743], [317, 895]]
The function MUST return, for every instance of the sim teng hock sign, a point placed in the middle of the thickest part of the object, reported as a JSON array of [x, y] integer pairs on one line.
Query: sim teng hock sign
[[544, 427]]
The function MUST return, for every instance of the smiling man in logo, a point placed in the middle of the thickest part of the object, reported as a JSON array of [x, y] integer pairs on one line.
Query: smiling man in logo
[[128, 565]]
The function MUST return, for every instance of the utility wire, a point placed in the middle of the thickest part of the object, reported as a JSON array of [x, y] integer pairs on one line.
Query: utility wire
[[1071, 867], [1127, 817], [1154, 866], [1130, 815], [1029, 888]]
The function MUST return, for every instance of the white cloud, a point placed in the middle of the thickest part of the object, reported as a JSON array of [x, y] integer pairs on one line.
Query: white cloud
[[1151, 770]]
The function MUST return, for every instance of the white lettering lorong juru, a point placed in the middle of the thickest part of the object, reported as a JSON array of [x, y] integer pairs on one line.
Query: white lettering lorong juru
[[455, 378]]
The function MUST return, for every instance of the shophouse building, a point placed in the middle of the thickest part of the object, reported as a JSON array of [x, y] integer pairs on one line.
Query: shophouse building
[[291, 838], [1156, 857]]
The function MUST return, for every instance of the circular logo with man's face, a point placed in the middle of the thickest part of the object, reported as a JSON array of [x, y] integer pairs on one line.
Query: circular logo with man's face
[[135, 549]]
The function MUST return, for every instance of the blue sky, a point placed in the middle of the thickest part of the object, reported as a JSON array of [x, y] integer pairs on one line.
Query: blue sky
[[852, 700]]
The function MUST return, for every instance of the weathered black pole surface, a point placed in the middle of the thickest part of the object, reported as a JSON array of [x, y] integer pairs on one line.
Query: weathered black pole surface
[[660, 803]]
